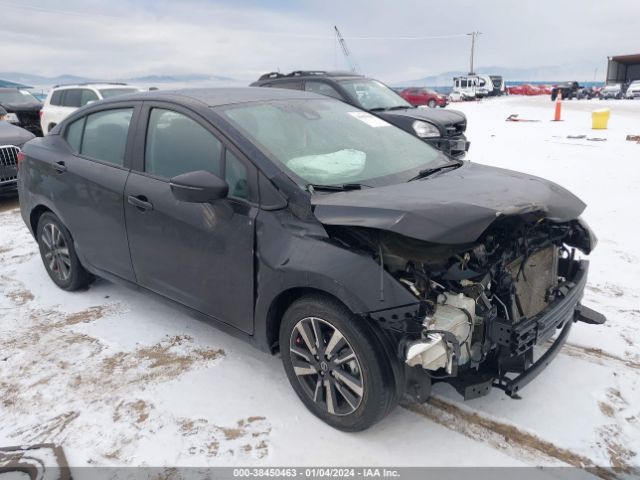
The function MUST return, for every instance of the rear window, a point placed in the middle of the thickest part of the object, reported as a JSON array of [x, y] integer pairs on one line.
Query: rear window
[[16, 96], [114, 92]]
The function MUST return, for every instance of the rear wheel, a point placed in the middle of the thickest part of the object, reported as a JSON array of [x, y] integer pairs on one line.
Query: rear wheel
[[432, 103], [336, 364], [59, 255]]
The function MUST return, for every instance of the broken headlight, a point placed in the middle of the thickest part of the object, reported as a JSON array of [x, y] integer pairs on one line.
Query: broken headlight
[[425, 129]]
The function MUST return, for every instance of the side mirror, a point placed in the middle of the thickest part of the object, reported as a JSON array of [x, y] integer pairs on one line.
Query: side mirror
[[198, 187]]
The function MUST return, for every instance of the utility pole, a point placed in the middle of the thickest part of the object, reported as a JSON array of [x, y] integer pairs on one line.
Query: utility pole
[[473, 46]]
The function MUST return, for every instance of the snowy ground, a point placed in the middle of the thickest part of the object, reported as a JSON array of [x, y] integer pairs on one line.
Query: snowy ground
[[118, 378]]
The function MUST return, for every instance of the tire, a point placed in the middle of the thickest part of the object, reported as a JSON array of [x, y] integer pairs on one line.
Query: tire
[[59, 255], [432, 103], [348, 395], [554, 96]]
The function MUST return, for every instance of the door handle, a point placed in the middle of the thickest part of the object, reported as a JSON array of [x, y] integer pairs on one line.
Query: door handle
[[60, 167], [140, 202]]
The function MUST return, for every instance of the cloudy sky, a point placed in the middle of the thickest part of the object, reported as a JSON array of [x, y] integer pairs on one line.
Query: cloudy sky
[[392, 40]]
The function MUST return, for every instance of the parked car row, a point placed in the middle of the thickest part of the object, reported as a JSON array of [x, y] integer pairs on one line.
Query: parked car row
[[529, 89], [330, 232]]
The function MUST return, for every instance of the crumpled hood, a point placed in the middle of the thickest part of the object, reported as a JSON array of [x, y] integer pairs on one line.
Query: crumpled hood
[[452, 207], [12, 135], [442, 116], [30, 106]]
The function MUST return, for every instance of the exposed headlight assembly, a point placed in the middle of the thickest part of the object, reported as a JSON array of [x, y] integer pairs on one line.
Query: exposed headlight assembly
[[425, 129]]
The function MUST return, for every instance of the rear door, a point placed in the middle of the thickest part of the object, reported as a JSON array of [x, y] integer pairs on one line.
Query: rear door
[[87, 186], [200, 255]]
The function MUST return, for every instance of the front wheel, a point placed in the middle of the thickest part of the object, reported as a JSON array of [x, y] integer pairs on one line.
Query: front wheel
[[432, 103], [336, 364], [59, 255]]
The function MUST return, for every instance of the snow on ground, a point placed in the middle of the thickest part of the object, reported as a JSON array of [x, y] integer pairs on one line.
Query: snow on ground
[[119, 378]]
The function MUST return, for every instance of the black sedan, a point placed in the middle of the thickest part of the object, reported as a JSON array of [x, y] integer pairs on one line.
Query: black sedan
[[373, 263]]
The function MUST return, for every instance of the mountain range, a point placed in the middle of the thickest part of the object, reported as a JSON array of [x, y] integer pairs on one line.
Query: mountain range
[[40, 80], [585, 71]]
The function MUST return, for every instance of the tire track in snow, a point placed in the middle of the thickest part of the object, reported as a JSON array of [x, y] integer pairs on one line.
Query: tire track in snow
[[509, 438], [598, 356]]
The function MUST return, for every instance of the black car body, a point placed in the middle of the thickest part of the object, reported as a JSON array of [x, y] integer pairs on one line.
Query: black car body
[[12, 138], [24, 107], [369, 286], [568, 90], [448, 129]]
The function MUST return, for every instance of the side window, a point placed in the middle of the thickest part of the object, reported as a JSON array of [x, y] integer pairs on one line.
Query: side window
[[72, 97], [105, 135], [177, 144], [56, 98], [290, 84], [87, 96], [235, 174], [322, 89], [73, 135]]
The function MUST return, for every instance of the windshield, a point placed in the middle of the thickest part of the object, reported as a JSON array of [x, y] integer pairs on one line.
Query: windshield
[[371, 94], [114, 92], [16, 96], [326, 142]]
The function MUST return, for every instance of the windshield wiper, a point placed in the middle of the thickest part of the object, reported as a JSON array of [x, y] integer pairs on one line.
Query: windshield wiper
[[312, 187], [430, 171]]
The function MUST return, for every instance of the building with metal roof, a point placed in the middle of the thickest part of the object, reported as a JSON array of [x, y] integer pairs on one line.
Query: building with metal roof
[[623, 69]]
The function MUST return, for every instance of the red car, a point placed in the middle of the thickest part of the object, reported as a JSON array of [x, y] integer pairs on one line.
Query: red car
[[526, 89], [424, 96]]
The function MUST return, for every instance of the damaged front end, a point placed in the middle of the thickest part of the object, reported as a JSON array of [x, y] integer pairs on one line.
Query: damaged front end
[[482, 306]]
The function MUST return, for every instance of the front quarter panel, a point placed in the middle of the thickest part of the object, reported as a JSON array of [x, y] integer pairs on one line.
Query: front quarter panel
[[294, 254]]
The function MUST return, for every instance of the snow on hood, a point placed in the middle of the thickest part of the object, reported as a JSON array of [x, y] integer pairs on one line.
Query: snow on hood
[[452, 207]]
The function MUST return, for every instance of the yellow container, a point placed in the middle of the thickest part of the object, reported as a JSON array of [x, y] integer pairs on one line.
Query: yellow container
[[600, 118]]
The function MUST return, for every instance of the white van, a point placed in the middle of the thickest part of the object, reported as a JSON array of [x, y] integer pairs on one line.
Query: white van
[[62, 100], [472, 86]]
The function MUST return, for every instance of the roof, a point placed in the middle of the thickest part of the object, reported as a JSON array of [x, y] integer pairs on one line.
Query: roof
[[214, 97], [94, 85], [626, 58], [8, 84], [307, 73]]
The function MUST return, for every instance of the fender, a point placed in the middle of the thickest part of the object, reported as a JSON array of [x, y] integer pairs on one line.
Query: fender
[[289, 258]]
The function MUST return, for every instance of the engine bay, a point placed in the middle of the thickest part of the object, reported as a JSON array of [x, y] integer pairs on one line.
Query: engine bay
[[469, 294]]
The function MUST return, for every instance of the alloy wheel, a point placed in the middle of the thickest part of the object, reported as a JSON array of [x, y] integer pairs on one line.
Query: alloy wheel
[[56, 252], [326, 366]]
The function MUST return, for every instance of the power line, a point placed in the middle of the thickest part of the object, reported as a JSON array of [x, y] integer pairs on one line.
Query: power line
[[36, 8]]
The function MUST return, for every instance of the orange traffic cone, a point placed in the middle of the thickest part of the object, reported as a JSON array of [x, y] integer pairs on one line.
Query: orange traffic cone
[[558, 114]]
